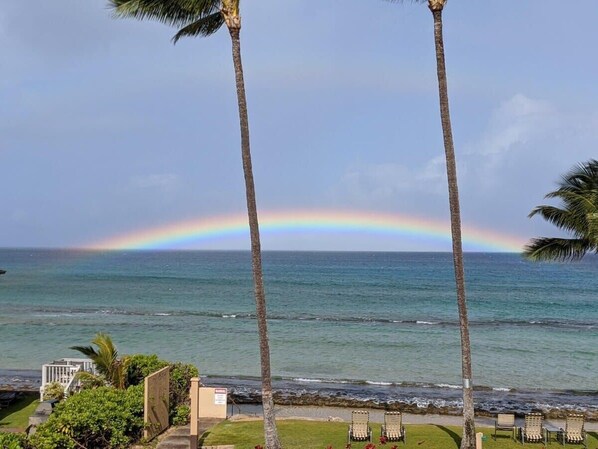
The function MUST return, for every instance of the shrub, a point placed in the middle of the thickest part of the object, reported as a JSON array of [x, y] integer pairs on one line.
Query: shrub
[[104, 418], [12, 441], [139, 366], [180, 383], [182, 415], [54, 390]]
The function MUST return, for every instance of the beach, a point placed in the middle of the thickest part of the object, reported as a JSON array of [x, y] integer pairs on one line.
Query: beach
[[371, 329]]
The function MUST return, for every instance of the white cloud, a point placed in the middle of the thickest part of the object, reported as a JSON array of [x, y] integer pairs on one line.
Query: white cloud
[[514, 123]]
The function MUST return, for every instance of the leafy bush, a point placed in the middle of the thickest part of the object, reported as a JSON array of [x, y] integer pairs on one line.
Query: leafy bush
[[13, 441], [139, 366], [180, 383], [104, 418], [182, 415], [54, 390]]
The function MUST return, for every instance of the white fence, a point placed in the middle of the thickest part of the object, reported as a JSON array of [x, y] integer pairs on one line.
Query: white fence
[[63, 371]]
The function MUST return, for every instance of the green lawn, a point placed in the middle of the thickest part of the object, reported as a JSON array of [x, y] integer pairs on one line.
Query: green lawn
[[16, 416], [297, 434]]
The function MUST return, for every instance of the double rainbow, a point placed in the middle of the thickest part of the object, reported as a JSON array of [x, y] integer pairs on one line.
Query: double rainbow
[[191, 232]]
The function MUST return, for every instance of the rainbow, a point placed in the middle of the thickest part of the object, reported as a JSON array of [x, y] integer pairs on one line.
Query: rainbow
[[184, 233]]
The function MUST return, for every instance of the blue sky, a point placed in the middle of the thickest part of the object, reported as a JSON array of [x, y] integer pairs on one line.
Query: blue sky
[[107, 128]]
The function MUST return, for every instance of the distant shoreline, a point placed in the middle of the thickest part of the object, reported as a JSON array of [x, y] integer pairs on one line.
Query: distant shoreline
[[244, 393]]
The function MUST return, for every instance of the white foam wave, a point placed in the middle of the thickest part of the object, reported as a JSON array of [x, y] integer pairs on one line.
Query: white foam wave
[[304, 379], [425, 322], [162, 314], [452, 387], [501, 389], [371, 382], [229, 316]]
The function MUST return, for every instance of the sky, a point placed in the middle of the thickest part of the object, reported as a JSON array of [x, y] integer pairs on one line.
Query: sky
[[107, 129]]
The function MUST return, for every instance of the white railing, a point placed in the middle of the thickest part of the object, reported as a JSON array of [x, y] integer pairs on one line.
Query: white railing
[[63, 371]]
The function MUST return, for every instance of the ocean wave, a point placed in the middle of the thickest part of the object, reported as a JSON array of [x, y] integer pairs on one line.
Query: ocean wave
[[548, 323], [452, 387]]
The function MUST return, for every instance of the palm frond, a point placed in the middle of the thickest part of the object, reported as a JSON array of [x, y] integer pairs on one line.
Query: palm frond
[[550, 248], [89, 351], [578, 214], [202, 27], [561, 218], [177, 13]]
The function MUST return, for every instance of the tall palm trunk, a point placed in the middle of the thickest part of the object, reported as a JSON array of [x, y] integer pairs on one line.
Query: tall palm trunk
[[271, 435], [468, 441]]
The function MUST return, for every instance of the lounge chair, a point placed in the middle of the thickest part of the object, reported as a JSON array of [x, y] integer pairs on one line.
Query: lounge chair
[[505, 421], [533, 429], [574, 430], [393, 429], [359, 430]]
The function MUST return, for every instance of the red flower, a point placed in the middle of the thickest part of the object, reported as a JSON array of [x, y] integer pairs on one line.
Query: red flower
[[348, 446], [394, 447], [259, 446], [383, 439], [370, 446], [329, 446]]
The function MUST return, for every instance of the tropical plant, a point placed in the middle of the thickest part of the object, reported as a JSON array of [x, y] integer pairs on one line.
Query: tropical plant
[[111, 369], [468, 440], [140, 366], [578, 192], [13, 441], [203, 18], [54, 390], [104, 417]]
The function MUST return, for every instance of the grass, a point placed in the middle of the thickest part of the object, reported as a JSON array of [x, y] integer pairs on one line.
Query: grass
[[16, 416], [299, 434]]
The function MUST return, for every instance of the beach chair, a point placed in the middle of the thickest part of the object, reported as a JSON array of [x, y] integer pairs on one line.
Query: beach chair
[[533, 429], [393, 429], [505, 421], [574, 431], [359, 430]]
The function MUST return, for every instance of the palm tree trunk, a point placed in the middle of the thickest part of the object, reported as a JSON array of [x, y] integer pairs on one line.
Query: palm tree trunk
[[271, 434], [468, 441]]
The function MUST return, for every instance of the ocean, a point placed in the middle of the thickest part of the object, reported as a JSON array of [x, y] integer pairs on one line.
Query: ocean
[[359, 327]]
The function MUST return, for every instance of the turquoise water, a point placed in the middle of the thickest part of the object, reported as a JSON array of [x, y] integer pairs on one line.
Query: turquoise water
[[359, 317]]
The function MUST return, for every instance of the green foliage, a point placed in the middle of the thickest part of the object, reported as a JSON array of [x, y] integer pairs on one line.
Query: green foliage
[[106, 360], [140, 365], [54, 390], [182, 415], [104, 418], [578, 193], [193, 17], [13, 441], [180, 383]]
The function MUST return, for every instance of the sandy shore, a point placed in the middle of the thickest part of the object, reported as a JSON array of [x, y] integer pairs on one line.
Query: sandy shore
[[376, 416]]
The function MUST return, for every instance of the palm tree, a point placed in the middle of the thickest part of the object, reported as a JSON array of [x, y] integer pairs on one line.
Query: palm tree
[[203, 18], [468, 440], [105, 357], [578, 191]]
